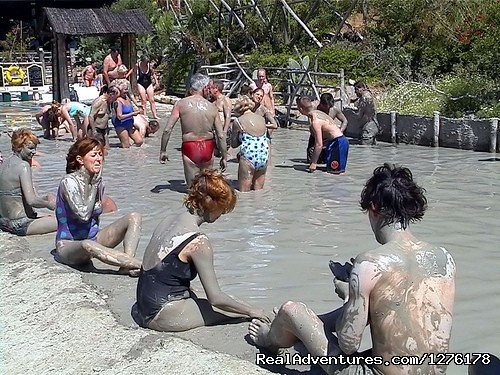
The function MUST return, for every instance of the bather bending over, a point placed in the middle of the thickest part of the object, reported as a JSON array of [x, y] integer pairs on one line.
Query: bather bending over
[[176, 254], [18, 197], [79, 206]]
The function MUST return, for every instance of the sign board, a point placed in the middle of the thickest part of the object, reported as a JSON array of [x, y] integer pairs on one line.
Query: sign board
[[1, 77], [35, 76]]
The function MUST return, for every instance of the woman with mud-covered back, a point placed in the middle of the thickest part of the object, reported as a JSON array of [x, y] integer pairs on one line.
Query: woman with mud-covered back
[[18, 197], [177, 253], [79, 206]]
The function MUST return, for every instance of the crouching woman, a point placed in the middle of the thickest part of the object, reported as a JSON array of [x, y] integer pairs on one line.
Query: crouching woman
[[176, 254]]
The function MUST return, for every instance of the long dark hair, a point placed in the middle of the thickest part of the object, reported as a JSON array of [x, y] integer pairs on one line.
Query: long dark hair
[[393, 194]]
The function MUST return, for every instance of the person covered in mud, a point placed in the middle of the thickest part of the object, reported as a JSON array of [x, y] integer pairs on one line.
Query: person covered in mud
[[257, 96], [199, 121], [250, 134], [366, 113], [100, 111], [89, 74], [79, 207], [18, 197], [404, 289], [326, 133], [326, 105], [48, 118], [176, 254], [222, 102]]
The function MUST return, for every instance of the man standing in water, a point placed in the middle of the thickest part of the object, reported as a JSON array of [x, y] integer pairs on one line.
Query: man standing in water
[[324, 130], [366, 113], [404, 289], [199, 120]]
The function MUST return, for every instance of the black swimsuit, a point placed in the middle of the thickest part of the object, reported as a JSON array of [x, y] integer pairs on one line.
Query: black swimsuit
[[168, 281], [144, 78]]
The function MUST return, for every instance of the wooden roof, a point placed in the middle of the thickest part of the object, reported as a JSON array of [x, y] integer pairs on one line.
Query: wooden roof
[[97, 21]]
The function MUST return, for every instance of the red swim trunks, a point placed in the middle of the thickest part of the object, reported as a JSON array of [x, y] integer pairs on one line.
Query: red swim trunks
[[199, 151]]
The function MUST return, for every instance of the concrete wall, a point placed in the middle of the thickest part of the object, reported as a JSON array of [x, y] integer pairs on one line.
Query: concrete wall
[[478, 135]]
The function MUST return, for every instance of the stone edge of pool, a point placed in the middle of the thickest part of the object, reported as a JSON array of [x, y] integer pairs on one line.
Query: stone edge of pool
[[54, 322]]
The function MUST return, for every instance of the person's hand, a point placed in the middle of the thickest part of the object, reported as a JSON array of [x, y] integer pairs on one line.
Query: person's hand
[[223, 164], [51, 198], [137, 112], [341, 288], [163, 157], [341, 271], [260, 314], [312, 167]]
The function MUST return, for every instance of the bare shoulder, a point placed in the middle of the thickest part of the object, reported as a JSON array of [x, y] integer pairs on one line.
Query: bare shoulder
[[198, 246]]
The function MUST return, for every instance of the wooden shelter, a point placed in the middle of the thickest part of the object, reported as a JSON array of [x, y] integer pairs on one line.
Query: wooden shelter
[[98, 22]]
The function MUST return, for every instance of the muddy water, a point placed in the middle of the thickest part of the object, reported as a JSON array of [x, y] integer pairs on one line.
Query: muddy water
[[276, 244]]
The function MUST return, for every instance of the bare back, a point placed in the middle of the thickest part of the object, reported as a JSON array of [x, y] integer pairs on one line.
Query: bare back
[[198, 118], [14, 173], [321, 122], [411, 303]]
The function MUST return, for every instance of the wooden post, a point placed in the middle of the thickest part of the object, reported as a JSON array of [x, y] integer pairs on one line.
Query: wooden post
[[393, 126], [302, 24], [494, 135], [129, 55], [60, 69], [435, 142], [342, 87]]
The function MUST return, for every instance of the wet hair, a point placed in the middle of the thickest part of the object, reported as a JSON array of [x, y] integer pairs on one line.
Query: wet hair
[[393, 194], [21, 137], [304, 102], [144, 58], [198, 81], [360, 85], [114, 49], [81, 148], [218, 83], [104, 90], [53, 113], [326, 99], [209, 192], [258, 89], [245, 89], [243, 104]]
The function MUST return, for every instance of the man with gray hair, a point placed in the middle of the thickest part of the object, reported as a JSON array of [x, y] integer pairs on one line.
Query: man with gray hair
[[199, 120]]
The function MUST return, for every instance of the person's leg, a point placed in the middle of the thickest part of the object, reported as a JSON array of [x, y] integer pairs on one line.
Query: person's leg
[[143, 95], [122, 134], [245, 175], [136, 137], [186, 314], [85, 126], [295, 322], [42, 225], [79, 127], [72, 253], [191, 169], [110, 256], [259, 178], [151, 98], [126, 229]]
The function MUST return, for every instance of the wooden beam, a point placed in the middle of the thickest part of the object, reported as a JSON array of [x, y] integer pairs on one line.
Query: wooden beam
[[235, 59], [344, 19], [312, 10], [129, 55], [61, 68], [299, 21]]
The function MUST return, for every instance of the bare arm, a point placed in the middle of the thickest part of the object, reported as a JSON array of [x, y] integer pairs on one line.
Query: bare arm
[[119, 112], [354, 318], [235, 134], [94, 110], [341, 117], [105, 69], [80, 204], [226, 110], [202, 257], [271, 95], [66, 117], [29, 193], [270, 120], [165, 137], [318, 142], [220, 136]]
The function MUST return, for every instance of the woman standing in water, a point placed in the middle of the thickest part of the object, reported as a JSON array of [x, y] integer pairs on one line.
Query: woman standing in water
[[177, 253], [250, 133], [124, 120], [79, 205], [18, 197]]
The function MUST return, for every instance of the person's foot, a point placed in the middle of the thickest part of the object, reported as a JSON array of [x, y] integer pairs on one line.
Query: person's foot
[[258, 332]]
